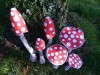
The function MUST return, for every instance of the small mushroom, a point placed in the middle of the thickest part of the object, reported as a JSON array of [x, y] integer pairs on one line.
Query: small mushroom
[[74, 61], [20, 28], [57, 55], [49, 29], [72, 37], [40, 46]]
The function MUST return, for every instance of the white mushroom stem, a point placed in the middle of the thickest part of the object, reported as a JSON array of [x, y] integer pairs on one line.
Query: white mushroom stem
[[69, 51], [67, 67], [55, 66], [49, 42], [42, 59], [33, 56]]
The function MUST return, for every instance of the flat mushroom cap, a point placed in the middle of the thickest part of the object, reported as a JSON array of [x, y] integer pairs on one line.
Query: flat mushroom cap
[[49, 28], [72, 37], [57, 54], [74, 61], [40, 44], [17, 22]]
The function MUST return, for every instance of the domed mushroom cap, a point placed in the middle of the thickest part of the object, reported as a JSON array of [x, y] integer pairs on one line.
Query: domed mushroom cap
[[40, 44], [74, 61], [57, 54], [49, 28], [72, 37], [17, 22]]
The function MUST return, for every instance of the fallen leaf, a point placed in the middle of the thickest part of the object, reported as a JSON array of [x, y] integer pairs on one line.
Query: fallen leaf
[[25, 72]]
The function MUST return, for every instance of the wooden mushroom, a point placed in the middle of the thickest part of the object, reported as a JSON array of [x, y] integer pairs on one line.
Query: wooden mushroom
[[49, 29], [74, 62], [40, 46], [20, 28], [72, 38], [57, 55]]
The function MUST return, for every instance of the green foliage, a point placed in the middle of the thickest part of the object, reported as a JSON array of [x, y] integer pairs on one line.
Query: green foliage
[[89, 9], [34, 12], [37, 9], [82, 13]]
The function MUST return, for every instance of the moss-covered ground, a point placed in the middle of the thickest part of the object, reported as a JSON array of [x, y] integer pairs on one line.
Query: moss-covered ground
[[14, 59]]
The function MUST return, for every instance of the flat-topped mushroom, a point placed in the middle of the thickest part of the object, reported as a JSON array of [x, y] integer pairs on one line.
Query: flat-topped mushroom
[[74, 61], [49, 29], [20, 28], [57, 55], [40, 46], [72, 37]]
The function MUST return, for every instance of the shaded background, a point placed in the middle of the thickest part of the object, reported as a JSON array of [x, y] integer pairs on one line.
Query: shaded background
[[14, 58]]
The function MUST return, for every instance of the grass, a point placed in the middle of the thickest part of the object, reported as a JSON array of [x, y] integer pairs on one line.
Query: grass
[[84, 14]]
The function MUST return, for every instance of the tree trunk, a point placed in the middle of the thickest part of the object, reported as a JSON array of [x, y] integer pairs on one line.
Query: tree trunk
[[34, 12]]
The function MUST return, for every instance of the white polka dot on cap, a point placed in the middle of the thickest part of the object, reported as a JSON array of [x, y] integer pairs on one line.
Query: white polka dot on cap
[[65, 36], [72, 35], [17, 32], [50, 22], [48, 55], [74, 40], [63, 39], [52, 54], [63, 31], [23, 29], [48, 35], [55, 47], [60, 56], [74, 32], [56, 53], [18, 24], [82, 37], [38, 39], [12, 13], [45, 24], [16, 18], [53, 32], [13, 25], [37, 43], [50, 28], [68, 44], [68, 28]]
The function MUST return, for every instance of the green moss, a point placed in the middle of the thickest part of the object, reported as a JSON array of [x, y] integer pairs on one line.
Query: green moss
[[82, 14], [89, 9]]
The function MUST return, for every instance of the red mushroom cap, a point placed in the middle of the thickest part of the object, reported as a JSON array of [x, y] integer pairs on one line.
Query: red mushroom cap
[[40, 44], [72, 37], [57, 54], [17, 22], [49, 28], [74, 61]]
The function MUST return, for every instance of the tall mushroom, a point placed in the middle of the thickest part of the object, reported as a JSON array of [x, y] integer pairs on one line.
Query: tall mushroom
[[57, 55], [20, 28], [72, 37], [40, 46], [74, 61], [49, 29]]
